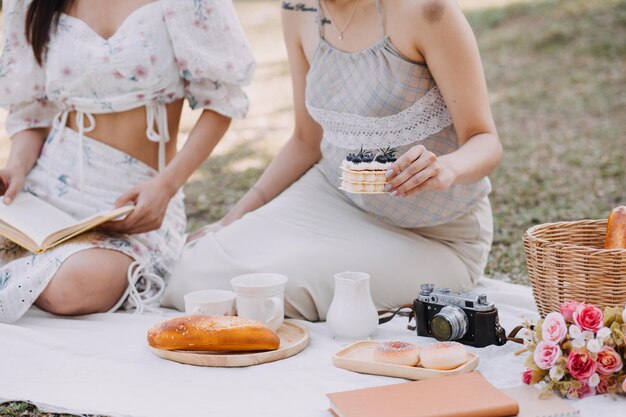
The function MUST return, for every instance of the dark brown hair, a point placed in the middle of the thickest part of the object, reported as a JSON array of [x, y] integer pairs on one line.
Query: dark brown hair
[[41, 19]]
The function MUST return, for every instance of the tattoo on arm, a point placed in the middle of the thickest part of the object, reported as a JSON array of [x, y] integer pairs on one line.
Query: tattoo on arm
[[326, 21], [298, 7]]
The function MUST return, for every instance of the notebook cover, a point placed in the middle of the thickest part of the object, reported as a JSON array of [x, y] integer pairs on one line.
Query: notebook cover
[[466, 395], [530, 405]]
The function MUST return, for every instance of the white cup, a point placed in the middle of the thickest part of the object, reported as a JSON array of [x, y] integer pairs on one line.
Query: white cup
[[261, 297], [210, 303]]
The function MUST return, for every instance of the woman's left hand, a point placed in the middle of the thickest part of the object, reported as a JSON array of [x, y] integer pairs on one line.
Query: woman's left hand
[[418, 170], [150, 199]]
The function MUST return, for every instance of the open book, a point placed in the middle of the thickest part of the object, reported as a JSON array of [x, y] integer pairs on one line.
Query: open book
[[37, 226]]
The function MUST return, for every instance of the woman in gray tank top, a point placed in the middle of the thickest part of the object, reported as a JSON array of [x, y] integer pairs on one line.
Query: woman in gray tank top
[[366, 74]]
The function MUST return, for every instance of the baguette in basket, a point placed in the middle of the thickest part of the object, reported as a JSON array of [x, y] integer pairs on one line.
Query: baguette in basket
[[616, 229]]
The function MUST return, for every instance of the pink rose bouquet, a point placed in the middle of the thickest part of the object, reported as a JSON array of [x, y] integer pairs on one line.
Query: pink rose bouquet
[[578, 351]]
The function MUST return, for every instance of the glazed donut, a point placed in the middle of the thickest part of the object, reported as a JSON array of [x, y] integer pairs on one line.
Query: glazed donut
[[398, 353], [443, 355]]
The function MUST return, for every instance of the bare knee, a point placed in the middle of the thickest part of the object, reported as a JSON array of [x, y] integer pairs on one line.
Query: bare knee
[[86, 285], [64, 297]]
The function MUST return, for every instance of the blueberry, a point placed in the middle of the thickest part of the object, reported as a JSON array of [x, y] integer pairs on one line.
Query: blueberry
[[357, 159], [392, 159], [382, 159], [350, 157], [368, 158]]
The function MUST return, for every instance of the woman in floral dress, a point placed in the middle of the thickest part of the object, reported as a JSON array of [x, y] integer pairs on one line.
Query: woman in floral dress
[[94, 91]]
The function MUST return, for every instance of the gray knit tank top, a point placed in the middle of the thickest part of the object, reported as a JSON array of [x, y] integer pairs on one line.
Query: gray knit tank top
[[377, 98]]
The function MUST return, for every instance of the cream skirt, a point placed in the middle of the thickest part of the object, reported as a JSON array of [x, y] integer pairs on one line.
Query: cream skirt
[[311, 232], [108, 173]]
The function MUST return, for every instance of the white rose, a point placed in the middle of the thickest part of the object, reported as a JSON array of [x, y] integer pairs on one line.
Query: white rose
[[588, 334], [603, 334], [556, 373], [594, 380], [574, 331], [594, 345], [579, 342]]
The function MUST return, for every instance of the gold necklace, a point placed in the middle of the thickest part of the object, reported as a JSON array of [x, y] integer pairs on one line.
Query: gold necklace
[[332, 21]]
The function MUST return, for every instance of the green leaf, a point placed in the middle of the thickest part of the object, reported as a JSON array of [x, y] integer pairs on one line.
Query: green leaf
[[611, 315], [538, 329], [530, 364]]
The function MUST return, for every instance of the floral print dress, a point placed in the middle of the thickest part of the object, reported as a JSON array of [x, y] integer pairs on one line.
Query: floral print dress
[[164, 51]]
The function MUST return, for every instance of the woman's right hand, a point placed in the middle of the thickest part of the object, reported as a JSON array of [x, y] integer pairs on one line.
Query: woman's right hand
[[13, 180]]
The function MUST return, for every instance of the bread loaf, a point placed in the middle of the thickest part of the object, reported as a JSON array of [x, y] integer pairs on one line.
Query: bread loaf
[[616, 229], [218, 333]]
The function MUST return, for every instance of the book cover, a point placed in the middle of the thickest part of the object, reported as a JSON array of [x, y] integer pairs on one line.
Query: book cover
[[465, 395]]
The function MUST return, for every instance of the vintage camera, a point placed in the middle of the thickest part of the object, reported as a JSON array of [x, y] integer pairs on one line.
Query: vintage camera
[[465, 317]]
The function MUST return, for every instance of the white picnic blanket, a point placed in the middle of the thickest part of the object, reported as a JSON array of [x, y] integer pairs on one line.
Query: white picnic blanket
[[100, 364]]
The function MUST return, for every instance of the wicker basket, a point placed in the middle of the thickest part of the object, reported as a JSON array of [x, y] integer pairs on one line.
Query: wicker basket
[[566, 261]]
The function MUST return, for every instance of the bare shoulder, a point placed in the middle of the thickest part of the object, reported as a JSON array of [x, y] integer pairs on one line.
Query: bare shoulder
[[433, 10], [297, 14], [430, 12], [299, 18], [300, 7]]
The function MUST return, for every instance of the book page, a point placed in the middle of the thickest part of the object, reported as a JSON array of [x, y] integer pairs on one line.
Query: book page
[[34, 217], [82, 226]]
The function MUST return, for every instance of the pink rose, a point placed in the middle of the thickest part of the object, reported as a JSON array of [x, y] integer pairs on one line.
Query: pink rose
[[606, 383], [581, 365], [553, 328], [527, 376], [567, 310], [588, 317], [546, 354], [609, 361], [582, 392]]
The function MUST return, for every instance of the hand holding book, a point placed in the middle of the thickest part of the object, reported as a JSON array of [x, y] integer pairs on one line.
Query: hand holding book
[[38, 226], [150, 199], [11, 182]]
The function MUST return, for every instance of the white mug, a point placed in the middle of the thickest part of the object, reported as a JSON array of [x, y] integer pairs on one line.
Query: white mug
[[210, 303], [261, 297]]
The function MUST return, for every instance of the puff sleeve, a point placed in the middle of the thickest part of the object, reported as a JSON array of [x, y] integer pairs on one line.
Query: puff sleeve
[[22, 80], [212, 53]]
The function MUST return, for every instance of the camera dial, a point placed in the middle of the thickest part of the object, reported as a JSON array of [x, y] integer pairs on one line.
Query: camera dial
[[451, 323], [427, 289]]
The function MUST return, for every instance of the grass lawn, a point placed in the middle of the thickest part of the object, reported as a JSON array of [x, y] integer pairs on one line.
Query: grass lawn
[[556, 75]]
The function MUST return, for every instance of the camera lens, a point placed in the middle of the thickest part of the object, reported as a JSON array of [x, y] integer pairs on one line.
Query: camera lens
[[450, 323]]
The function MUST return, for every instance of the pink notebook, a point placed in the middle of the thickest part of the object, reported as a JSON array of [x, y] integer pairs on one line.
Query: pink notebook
[[466, 395]]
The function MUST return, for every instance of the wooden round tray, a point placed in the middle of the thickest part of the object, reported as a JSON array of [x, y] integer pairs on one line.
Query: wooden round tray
[[359, 357], [293, 339]]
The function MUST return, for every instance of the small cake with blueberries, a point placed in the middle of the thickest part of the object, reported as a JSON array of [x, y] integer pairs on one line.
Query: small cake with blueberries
[[364, 172]]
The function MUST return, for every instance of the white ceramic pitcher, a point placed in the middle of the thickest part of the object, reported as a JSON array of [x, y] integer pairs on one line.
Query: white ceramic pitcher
[[352, 314]]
